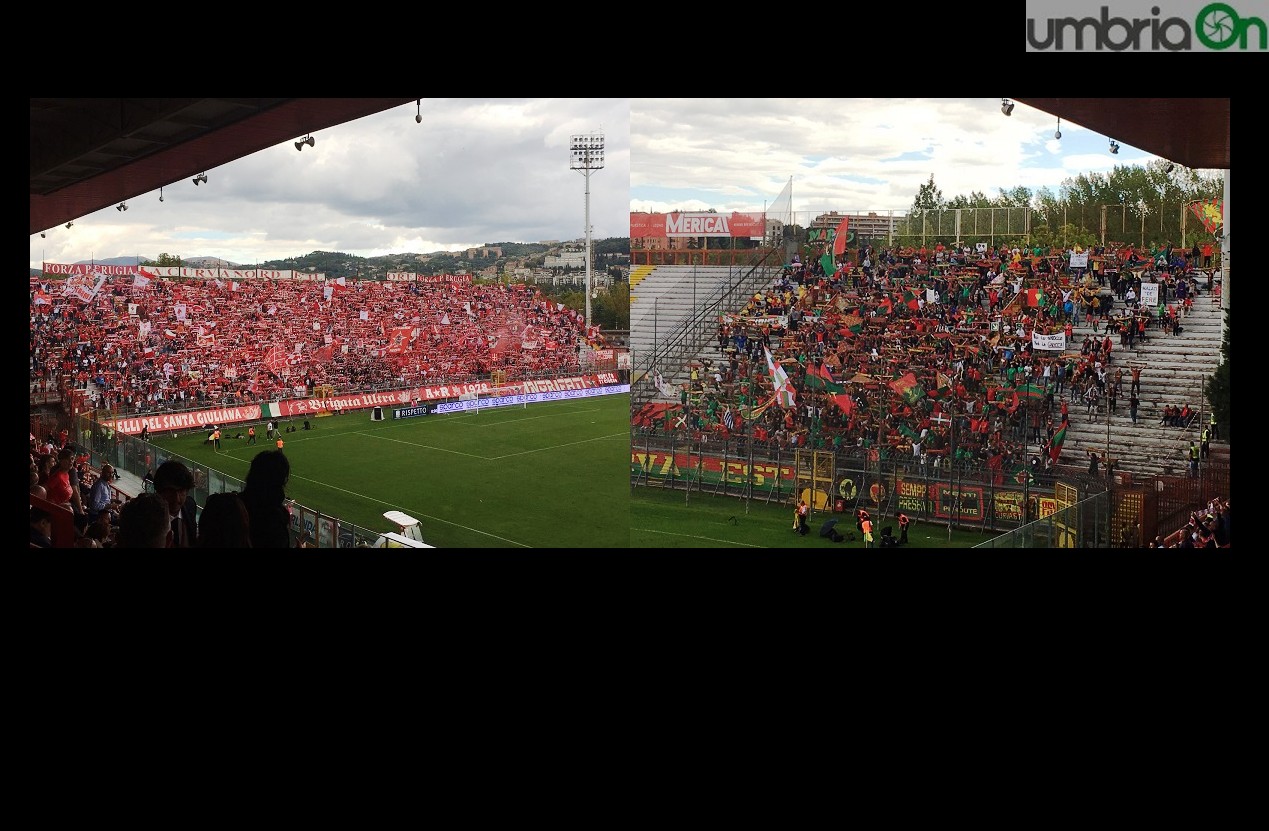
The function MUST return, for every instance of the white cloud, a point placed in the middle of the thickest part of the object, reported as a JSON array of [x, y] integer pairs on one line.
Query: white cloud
[[474, 171]]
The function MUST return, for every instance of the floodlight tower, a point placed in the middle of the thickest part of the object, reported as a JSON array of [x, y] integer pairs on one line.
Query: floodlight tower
[[588, 155]]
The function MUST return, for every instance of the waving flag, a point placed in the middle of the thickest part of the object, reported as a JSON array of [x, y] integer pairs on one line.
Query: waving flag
[[780, 381], [1211, 213], [398, 340], [1031, 391], [818, 377], [845, 402], [943, 388], [908, 388], [275, 360], [852, 323], [839, 239], [1059, 438], [729, 419]]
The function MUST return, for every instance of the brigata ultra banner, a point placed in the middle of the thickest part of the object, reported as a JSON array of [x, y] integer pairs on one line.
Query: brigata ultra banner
[[659, 226]]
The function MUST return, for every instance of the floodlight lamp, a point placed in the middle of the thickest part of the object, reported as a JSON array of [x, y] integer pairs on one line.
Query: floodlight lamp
[[69, 224], [41, 235], [1006, 106], [1114, 147], [200, 179], [1171, 167], [418, 116], [309, 140], [160, 194], [1057, 134], [121, 207]]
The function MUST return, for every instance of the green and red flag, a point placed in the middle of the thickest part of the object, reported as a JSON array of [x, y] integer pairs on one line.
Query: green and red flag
[[1033, 297], [943, 386], [1059, 438], [1211, 213], [1031, 391], [839, 238], [819, 378], [910, 300], [852, 322], [907, 388]]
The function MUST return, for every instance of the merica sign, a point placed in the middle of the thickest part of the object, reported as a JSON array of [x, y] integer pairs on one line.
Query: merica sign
[[655, 226]]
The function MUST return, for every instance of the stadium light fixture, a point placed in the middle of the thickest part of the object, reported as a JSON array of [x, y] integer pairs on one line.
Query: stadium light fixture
[[41, 235], [309, 140], [1057, 134], [69, 224], [587, 156], [160, 193], [200, 179], [418, 117], [1171, 167], [121, 207], [1114, 147], [1006, 106]]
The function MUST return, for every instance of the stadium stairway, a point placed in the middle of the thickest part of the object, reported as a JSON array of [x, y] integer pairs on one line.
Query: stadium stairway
[[676, 313], [637, 275], [1174, 371]]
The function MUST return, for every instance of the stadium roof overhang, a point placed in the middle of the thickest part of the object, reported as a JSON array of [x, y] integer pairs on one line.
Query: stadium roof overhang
[[91, 153], [1193, 132]]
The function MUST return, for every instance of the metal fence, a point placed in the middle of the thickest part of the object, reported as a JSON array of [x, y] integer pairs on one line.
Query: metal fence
[[1067, 508]]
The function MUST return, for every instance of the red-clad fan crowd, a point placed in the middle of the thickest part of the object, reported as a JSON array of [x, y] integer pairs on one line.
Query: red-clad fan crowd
[[148, 344]]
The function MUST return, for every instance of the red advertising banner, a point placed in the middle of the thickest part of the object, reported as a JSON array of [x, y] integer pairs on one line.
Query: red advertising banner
[[658, 226], [189, 421], [288, 408]]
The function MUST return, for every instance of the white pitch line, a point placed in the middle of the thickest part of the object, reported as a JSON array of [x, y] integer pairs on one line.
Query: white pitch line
[[696, 537], [413, 511], [558, 446]]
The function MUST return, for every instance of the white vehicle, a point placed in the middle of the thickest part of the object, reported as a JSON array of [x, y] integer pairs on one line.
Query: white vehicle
[[407, 535]]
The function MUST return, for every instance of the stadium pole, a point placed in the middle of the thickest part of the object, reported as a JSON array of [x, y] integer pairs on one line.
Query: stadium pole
[[588, 155]]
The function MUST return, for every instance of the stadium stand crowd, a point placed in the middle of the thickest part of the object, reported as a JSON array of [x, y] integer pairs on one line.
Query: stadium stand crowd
[[925, 337], [147, 345]]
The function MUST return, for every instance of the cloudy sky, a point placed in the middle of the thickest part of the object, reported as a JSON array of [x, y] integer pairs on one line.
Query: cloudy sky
[[848, 154], [475, 171]]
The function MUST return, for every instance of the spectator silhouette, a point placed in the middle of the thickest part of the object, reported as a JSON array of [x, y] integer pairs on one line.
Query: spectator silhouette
[[41, 528], [265, 498], [144, 522], [173, 481], [224, 522]]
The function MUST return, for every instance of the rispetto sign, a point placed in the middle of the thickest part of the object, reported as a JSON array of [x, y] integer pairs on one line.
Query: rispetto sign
[[1137, 26]]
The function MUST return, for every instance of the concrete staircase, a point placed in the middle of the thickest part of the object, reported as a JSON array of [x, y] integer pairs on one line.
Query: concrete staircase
[[1174, 371], [674, 314]]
